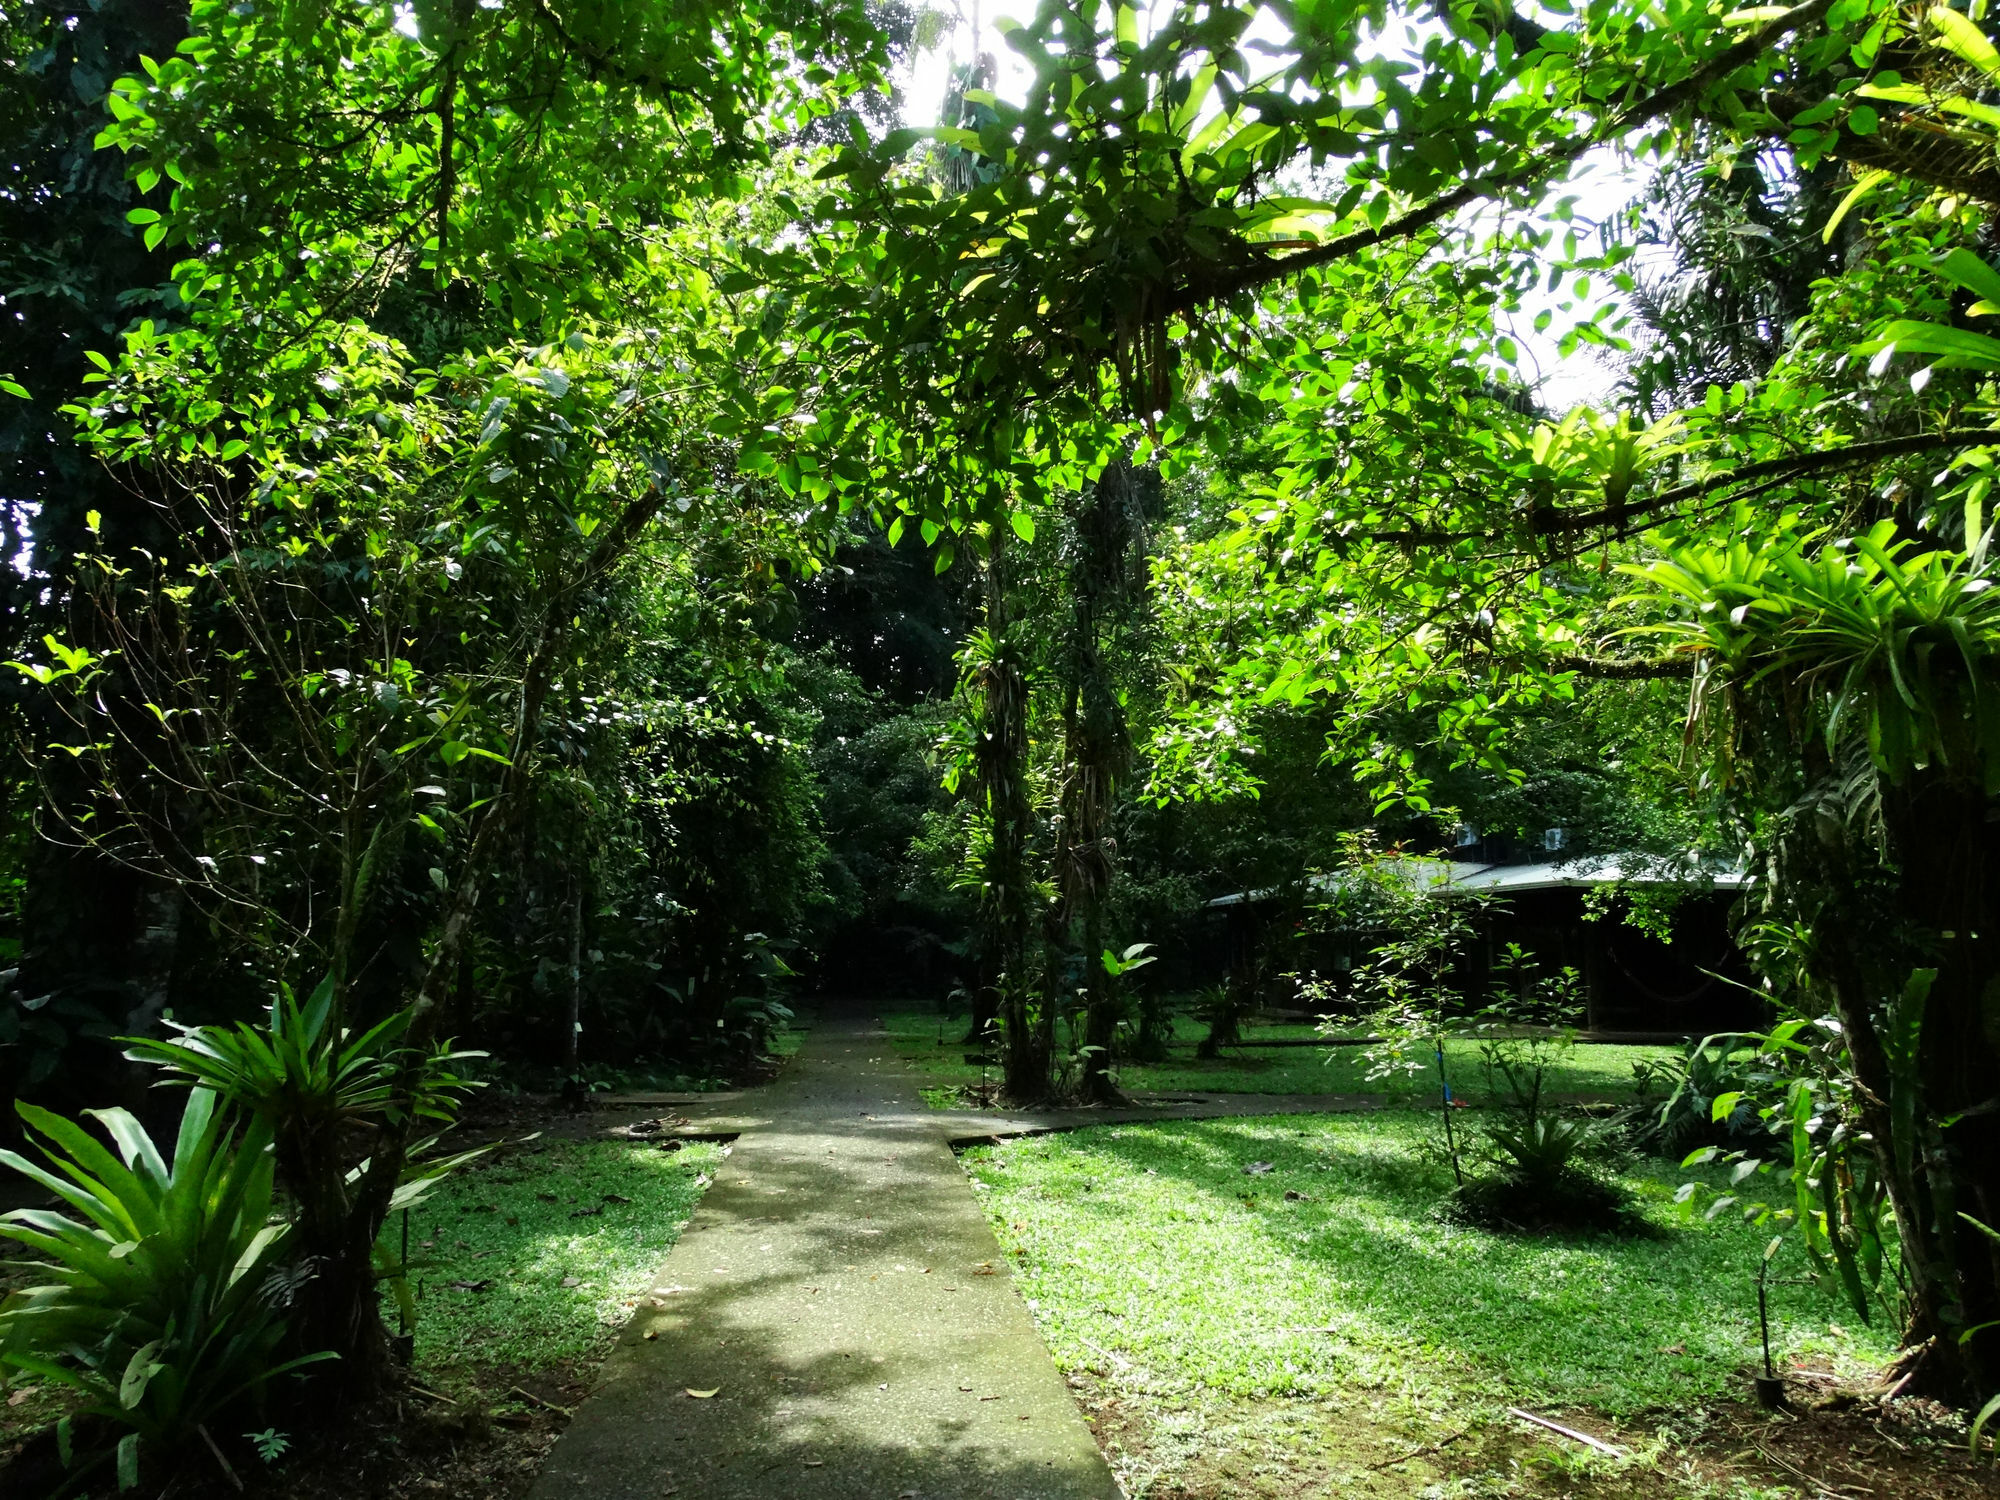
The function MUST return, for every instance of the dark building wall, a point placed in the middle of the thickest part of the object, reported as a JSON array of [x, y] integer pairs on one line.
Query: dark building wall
[[1692, 986]]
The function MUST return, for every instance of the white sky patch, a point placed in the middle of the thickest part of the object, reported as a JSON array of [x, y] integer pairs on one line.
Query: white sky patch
[[1604, 184]]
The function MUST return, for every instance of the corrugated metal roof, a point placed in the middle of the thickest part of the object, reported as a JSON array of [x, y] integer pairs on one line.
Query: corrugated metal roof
[[1581, 873]]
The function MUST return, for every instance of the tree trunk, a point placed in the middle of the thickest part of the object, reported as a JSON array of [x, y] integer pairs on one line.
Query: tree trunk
[[1106, 576], [1001, 756], [1946, 848], [342, 1303], [573, 1042]]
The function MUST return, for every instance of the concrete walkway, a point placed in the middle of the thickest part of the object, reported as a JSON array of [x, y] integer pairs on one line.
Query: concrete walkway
[[840, 1304]]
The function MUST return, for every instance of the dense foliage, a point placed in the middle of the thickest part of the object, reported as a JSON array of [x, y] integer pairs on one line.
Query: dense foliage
[[543, 520]]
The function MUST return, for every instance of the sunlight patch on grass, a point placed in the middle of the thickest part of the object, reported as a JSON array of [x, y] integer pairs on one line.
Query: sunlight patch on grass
[[1152, 1241], [564, 1257]]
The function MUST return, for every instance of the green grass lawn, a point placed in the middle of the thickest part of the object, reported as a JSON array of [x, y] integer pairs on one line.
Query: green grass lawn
[[1152, 1243], [1591, 1068], [567, 1235]]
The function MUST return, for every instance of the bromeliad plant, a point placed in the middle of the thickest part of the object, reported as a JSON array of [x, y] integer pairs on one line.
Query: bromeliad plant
[[302, 1071], [1866, 638], [1527, 1031], [1850, 693], [167, 1283], [325, 1097]]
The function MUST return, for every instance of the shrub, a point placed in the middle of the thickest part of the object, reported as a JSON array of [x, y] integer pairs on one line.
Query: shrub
[[1541, 1146], [1712, 1068], [1539, 1151], [166, 1287]]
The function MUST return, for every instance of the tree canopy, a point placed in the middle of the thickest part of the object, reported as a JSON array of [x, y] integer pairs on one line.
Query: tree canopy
[[540, 519]]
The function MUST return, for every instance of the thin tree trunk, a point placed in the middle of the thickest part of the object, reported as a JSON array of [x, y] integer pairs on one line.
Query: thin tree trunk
[[342, 1301], [573, 1042]]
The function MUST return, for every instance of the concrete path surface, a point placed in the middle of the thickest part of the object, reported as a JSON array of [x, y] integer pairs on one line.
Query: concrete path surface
[[835, 1321]]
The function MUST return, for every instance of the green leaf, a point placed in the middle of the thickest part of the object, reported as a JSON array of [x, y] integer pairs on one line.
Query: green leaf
[[1023, 524], [1986, 1414], [1965, 269], [1863, 187], [128, 1462], [1965, 350], [139, 1372], [1961, 37]]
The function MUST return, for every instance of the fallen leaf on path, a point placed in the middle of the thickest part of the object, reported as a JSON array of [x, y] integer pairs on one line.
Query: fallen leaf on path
[[702, 1395], [965, 1388], [815, 1463], [572, 1281], [22, 1395]]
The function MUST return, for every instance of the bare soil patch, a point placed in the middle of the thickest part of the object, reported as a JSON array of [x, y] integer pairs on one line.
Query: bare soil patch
[[1836, 1444]]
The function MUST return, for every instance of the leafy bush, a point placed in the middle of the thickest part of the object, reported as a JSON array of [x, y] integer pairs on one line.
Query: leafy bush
[[337, 1110], [166, 1293], [1714, 1068], [1220, 1007], [1528, 1032]]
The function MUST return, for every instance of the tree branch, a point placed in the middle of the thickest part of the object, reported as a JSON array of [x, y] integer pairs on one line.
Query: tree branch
[[1627, 668], [1200, 290], [1791, 466]]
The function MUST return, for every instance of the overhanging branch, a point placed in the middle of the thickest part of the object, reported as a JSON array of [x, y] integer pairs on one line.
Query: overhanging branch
[[1626, 668], [1201, 290], [1791, 466]]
